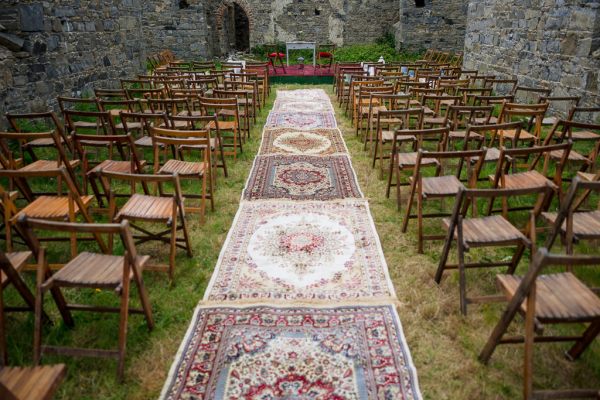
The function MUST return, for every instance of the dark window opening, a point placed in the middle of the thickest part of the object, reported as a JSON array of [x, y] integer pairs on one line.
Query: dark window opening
[[183, 4], [317, 11]]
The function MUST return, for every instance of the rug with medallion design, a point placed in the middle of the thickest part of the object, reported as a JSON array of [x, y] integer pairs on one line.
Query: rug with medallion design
[[311, 251], [302, 178], [301, 120], [300, 353], [315, 142]]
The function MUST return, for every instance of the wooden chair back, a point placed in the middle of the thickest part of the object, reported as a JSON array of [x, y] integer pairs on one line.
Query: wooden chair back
[[189, 139]]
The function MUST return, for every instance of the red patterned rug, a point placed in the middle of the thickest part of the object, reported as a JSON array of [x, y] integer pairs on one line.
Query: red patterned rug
[[304, 353], [301, 178], [301, 120]]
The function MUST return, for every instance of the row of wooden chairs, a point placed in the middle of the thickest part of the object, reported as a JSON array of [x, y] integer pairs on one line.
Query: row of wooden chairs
[[450, 140], [103, 149]]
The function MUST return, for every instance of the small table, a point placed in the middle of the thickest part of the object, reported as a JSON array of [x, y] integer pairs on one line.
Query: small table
[[300, 46]]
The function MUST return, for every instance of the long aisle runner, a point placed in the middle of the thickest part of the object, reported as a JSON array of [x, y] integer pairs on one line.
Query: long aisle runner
[[300, 305]]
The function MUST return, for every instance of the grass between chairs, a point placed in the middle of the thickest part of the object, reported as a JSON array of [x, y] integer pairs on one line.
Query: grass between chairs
[[444, 345]]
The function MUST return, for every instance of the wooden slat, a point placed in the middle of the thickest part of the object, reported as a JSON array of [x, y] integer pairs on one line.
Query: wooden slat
[[559, 298], [147, 208], [38, 383]]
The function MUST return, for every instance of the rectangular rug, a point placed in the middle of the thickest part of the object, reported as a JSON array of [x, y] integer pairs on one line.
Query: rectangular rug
[[307, 95], [297, 177], [315, 142], [294, 353], [302, 106], [301, 120], [283, 250]]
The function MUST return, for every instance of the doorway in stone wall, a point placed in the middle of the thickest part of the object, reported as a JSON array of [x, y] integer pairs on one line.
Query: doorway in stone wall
[[233, 21], [241, 28]]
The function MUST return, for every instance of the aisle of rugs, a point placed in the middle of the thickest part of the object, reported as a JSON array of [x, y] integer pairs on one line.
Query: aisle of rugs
[[300, 305]]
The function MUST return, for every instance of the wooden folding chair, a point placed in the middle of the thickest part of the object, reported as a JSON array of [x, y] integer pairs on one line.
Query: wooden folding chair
[[369, 103], [22, 383], [24, 139], [458, 118], [382, 102], [512, 175], [216, 143], [11, 264], [228, 121], [244, 106], [88, 270], [65, 206], [563, 130], [488, 231], [166, 208], [401, 161], [410, 118], [441, 185], [123, 145], [200, 169], [40, 122], [510, 111], [552, 298]]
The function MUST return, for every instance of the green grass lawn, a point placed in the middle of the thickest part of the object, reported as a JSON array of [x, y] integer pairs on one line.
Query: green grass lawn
[[444, 344]]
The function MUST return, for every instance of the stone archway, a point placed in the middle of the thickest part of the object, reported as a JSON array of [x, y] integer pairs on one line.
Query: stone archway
[[234, 22]]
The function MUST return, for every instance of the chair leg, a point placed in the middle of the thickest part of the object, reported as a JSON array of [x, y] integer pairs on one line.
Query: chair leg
[[172, 250], [123, 323], [419, 220], [587, 338], [444, 255], [3, 351], [399, 188], [145, 303], [203, 199], [529, 342], [37, 330], [461, 268], [411, 197]]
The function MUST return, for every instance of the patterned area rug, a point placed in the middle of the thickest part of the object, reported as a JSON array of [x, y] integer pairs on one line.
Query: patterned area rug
[[301, 120], [306, 95], [301, 251], [268, 353], [301, 178], [320, 142], [302, 106]]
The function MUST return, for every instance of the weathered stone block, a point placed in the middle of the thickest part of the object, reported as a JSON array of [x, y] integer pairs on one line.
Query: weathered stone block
[[31, 17]]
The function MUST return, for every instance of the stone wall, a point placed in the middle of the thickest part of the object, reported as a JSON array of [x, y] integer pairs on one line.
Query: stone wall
[[178, 25], [440, 25], [65, 47], [335, 21], [553, 43]]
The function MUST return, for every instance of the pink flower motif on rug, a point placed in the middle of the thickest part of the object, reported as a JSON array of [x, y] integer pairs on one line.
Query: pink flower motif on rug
[[252, 353], [296, 251]]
